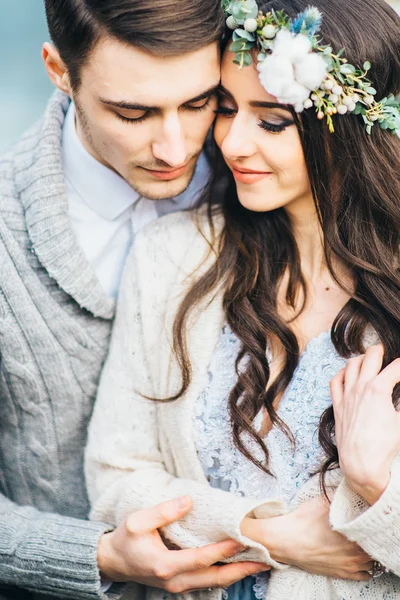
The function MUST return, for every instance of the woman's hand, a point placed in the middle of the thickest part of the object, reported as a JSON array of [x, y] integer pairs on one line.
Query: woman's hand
[[304, 538], [367, 426]]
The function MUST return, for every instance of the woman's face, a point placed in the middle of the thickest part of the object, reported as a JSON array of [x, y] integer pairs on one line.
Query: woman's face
[[260, 143]]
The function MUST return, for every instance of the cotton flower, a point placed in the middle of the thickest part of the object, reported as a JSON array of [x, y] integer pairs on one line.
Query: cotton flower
[[292, 47], [311, 71], [277, 78], [292, 71]]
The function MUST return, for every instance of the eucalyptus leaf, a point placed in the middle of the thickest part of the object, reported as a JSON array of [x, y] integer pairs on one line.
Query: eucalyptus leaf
[[242, 33], [367, 65], [241, 46], [347, 69]]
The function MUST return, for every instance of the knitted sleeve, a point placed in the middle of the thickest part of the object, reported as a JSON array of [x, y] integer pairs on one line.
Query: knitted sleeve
[[375, 528], [125, 469], [49, 553]]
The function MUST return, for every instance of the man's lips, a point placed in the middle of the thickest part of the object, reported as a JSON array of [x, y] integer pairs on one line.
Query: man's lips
[[248, 175], [167, 174]]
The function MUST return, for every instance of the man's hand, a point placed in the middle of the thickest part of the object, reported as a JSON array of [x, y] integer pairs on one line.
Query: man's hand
[[136, 552]]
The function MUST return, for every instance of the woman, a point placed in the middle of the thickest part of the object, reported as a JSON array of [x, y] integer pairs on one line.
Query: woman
[[242, 316]]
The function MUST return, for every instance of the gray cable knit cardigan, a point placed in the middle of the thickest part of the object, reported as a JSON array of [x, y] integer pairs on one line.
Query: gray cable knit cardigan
[[55, 322]]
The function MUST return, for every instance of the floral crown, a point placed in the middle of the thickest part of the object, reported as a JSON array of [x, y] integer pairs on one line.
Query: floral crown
[[295, 67]]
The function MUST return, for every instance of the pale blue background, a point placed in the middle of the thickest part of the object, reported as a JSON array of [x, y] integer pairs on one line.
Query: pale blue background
[[24, 86]]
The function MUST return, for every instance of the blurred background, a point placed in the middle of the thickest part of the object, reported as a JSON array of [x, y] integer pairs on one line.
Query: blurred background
[[24, 86]]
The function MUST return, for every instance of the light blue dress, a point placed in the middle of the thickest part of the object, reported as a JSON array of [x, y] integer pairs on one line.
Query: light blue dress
[[226, 468]]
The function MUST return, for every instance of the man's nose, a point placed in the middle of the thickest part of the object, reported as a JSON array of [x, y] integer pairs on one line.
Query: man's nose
[[170, 147]]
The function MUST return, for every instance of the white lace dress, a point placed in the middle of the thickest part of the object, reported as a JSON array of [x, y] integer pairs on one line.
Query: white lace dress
[[301, 407]]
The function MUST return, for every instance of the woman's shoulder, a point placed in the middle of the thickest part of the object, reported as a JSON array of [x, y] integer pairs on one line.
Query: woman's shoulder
[[177, 234]]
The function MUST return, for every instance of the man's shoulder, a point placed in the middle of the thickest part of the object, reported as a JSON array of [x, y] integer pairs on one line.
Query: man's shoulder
[[11, 158], [26, 150]]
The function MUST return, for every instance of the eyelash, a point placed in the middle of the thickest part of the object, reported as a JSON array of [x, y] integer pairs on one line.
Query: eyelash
[[271, 127], [148, 114]]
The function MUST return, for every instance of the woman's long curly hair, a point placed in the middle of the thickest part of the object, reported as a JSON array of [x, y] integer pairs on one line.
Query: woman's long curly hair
[[355, 181]]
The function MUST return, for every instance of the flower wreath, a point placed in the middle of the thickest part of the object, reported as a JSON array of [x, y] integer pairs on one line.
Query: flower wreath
[[295, 68]]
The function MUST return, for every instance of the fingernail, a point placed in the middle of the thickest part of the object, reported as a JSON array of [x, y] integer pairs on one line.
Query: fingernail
[[184, 502]]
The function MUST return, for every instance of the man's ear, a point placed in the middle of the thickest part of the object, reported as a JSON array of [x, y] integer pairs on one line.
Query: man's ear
[[56, 69]]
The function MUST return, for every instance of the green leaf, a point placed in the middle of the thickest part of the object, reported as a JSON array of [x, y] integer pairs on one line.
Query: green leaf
[[242, 33], [371, 91], [347, 69], [369, 129], [367, 65], [340, 53], [329, 62], [241, 46], [328, 51]]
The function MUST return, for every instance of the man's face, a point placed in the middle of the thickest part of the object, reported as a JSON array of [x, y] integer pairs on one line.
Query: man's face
[[145, 116]]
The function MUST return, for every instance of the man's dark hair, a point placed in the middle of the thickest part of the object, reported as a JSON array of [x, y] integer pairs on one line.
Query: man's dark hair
[[161, 27]]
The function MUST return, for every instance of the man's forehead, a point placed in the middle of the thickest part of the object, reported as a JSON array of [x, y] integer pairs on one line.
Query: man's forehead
[[122, 73]]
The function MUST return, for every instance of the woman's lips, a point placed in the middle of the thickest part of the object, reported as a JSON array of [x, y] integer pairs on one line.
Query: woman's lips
[[247, 175]]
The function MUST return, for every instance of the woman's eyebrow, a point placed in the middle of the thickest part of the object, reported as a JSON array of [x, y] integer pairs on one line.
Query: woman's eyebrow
[[258, 104]]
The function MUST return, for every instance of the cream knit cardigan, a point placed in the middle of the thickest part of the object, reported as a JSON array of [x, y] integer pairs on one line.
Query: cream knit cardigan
[[141, 452]]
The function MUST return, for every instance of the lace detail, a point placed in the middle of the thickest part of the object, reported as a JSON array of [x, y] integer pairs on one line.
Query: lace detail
[[305, 399]]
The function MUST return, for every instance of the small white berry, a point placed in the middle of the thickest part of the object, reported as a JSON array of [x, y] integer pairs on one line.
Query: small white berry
[[333, 98], [250, 25], [374, 118], [269, 32], [308, 103], [299, 107], [320, 115], [314, 97], [355, 98], [369, 99], [329, 84], [342, 109], [351, 106], [337, 90], [231, 23], [322, 86], [346, 100]]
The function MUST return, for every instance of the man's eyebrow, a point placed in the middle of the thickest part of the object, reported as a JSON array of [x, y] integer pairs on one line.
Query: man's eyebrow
[[133, 106], [225, 91]]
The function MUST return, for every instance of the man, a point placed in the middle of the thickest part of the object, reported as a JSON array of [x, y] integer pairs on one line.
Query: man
[[74, 190]]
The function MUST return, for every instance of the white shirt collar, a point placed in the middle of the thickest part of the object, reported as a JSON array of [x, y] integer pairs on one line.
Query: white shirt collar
[[103, 190]]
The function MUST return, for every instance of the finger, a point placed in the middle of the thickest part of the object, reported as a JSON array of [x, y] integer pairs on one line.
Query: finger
[[337, 388], [216, 577], [372, 363], [390, 375], [150, 519], [352, 373], [183, 561]]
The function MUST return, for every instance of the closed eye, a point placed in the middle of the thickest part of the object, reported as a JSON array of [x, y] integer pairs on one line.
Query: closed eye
[[275, 127], [225, 112]]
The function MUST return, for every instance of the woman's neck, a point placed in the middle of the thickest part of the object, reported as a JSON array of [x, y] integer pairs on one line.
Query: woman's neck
[[309, 238]]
